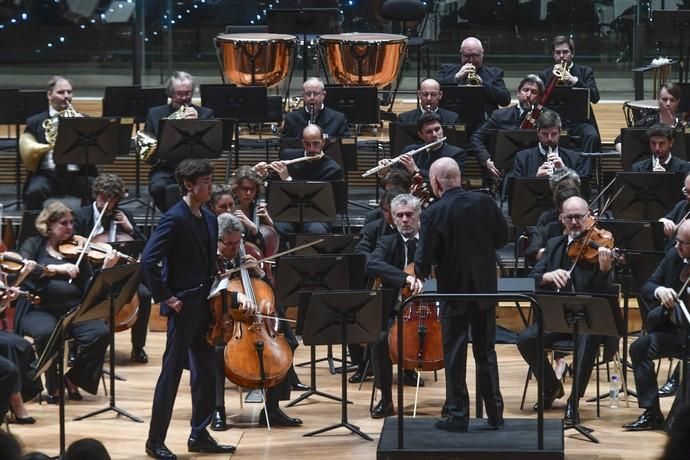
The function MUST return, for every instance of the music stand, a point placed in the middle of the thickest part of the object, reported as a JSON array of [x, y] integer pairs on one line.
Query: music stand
[[511, 141], [647, 195], [301, 201], [570, 103], [109, 290], [581, 314], [635, 146], [331, 244], [10, 115], [360, 104], [635, 235], [466, 101], [87, 141], [54, 353], [186, 138], [529, 197], [342, 317]]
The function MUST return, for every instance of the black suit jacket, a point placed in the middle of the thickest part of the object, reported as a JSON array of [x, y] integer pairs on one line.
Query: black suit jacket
[[666, 274], [370, 234], [505, 118], [188, 265], [153, 117], [675, 165], [528, 161], [495, 89], [584, 278], [325, 169], [424, 159], [447, 117], [585, 79], [331, 122], [84, 220], [460, 234]]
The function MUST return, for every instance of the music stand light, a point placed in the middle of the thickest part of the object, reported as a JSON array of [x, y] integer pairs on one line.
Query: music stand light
[[646, 195]]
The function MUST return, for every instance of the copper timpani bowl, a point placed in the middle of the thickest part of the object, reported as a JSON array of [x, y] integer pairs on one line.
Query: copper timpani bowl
[[363, 59], [255, 59]]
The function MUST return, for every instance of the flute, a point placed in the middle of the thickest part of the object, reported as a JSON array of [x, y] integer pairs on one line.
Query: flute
[[378, 168], [293, 161]]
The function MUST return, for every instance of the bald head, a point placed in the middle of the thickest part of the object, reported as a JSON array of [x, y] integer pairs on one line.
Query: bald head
[[472, 52], [444, 174]]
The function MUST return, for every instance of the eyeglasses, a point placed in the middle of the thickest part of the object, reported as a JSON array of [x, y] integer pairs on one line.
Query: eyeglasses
[[313, 93], [682, 243], [577, 217]]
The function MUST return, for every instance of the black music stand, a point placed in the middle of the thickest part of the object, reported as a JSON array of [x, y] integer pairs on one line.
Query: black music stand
[[646, 195], [570, 103], [300, 201], [132, 102], [109, 290], [511, 141], [466, 101], [360, 104], [342, 317], [331, 244], [670, 26], [635, 146], [581, 314], [186, 138], [10, 114], [54, 353], [636, 235], [529, 197], [87, 141]]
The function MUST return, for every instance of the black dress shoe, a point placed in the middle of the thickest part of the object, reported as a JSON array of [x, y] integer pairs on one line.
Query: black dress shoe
[[669, 388], [218, 422], [278, 418], [158, 450], [383, 409], [359, 376], [651, 419], [139, 356], [445, 412], [495, 422], [410, 379], [453, 424], [72, 391], [20, 420], [549, 398], [299, 386], [52, 399], [203, 442], [571, 417]]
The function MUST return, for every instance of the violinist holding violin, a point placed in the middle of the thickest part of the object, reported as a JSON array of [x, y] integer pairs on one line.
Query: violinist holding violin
[[665, 330], [116, 225], [60, 283], [555, 272]]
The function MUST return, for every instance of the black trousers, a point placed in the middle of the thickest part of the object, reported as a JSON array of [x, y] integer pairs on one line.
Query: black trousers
[[643, 352], [587, 132], [92, 341], [21, 353], [159, 180], [9, 381], [588, 347], [45, 184], [383, 367], [455, 327]]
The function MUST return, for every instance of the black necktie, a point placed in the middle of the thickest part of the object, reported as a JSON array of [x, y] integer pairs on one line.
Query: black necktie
[[411, 245]]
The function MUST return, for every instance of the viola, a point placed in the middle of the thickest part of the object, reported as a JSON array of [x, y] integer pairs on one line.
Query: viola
[[585, 248]]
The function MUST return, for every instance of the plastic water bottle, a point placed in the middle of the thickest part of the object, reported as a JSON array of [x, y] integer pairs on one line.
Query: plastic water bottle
[[614, 386]]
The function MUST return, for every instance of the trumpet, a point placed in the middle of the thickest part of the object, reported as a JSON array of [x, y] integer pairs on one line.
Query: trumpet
[[378, 168], [145, 143], [560, 71], [473, 78]]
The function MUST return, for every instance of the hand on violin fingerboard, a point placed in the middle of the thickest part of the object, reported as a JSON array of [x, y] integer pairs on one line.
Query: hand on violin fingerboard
[[605, 259]]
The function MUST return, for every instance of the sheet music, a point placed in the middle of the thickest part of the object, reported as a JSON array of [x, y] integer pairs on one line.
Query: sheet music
[[218, 286]]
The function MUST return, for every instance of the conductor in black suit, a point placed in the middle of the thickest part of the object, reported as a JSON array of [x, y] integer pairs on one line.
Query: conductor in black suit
[[552, 273], [180, 89], [388, 261], [547, 157], [460, 234], [530, 92], [185, 243], [429, 96], [660, 144], [490, 78], [109, 189], [332, 122], [577, 76], [50, 180]]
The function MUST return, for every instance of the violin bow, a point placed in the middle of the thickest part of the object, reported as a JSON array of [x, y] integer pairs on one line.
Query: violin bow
[[91, 235]]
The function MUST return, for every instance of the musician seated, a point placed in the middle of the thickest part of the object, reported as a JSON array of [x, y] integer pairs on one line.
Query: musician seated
[[384, 225], [530, 92], [661, 160], [394, 178], [230, 230], [553, 272], [332, 122], [665, 330], [221, 199], [472, 62], [668, 100], [117, 224], [677, 215], [247, 186], [180, 89], [547, 157], [316, 167], [58, 296], [392, 254], [429, 96], [577, 76], [430, 130], [46, 179]]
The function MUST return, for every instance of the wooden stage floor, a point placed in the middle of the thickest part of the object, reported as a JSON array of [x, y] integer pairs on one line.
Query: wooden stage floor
[[125, 439]]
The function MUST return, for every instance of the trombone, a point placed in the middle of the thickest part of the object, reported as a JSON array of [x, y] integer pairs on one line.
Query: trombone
[[378, 168]]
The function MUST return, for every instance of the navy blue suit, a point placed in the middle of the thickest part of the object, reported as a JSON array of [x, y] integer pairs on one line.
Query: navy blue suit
[[188, 258]]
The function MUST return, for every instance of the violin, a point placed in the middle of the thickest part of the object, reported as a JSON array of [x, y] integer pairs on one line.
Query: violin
[[96, 252], [585, 248], [422, 190], [12, 262], [33, 298]]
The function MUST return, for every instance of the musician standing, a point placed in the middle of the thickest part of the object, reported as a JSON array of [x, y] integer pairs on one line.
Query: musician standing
[[577, 76], [185, 243], [530, 92], [429, 96], [553, 272], [665, 329], [50, 179], [460, 234], [490, 78], [660, 144], [332, 122], [180, 89], [109, 189]]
